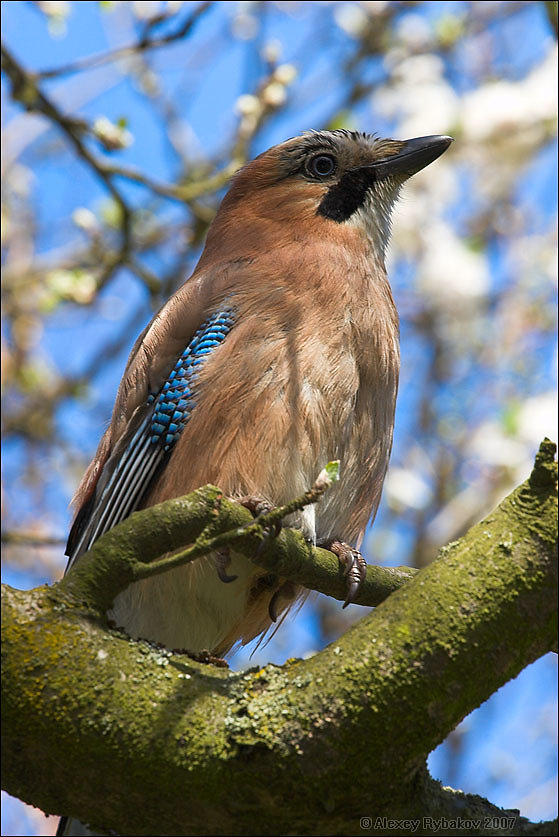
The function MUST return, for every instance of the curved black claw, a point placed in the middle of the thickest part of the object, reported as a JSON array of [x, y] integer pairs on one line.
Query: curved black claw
[[281, 599], [273, 607], [356, 571], [222, 560], [355, 566]]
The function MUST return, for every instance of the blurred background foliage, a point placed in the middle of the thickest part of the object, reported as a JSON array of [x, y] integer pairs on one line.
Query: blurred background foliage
[[123, 122]]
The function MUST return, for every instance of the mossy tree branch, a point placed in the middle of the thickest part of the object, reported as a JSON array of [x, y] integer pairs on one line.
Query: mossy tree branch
[[207, 520], [126, 735]]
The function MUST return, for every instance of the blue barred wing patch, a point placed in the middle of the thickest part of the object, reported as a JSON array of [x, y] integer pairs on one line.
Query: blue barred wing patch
[[176, 400], [166, 413]]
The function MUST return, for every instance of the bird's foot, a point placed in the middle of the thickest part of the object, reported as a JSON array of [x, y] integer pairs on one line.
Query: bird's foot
[[209, 659], [199, 656], [222, 559], [258, 506], [355, 566]]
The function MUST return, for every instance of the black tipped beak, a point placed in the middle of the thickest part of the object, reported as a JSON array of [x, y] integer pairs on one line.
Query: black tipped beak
[[413, 156]]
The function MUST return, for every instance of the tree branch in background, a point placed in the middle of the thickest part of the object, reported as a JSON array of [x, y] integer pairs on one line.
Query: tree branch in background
[[26, 90], [147, 42], [552, 10]]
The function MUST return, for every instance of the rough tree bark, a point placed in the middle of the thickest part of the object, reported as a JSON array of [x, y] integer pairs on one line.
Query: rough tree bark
[[144, 740]]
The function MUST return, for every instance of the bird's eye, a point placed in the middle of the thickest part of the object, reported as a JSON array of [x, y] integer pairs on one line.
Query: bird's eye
[[322, 165]]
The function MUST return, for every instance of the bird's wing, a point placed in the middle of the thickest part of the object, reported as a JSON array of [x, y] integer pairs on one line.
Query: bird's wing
[[154, 401]]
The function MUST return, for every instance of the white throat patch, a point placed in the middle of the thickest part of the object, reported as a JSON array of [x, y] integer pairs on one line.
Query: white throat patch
[[373, 217]]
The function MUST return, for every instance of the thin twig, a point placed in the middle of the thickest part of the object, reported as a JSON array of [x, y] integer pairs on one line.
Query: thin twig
[[204, 544], [26, 91], [145, 43], [21, 537]]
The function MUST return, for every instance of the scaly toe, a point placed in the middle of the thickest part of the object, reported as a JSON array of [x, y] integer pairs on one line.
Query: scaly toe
[[353, 563], [258, 506], [222, 560]]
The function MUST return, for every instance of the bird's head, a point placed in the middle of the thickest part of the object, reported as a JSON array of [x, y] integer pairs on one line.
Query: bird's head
[[323, 181]]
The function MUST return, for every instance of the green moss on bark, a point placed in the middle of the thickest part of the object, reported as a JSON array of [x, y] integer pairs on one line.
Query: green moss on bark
[[130, 735]]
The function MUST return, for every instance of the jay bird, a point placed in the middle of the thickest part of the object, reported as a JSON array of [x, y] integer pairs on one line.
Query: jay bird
[[279, 354]]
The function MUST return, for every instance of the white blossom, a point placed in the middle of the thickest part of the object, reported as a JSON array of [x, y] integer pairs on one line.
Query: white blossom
[[414, 31], [248, 105], [408, 488], [500, 108], [450, 273], [419, 97], [351, 18]]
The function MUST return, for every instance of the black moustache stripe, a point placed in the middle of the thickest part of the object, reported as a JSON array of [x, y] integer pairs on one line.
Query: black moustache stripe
[[348, 195]]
